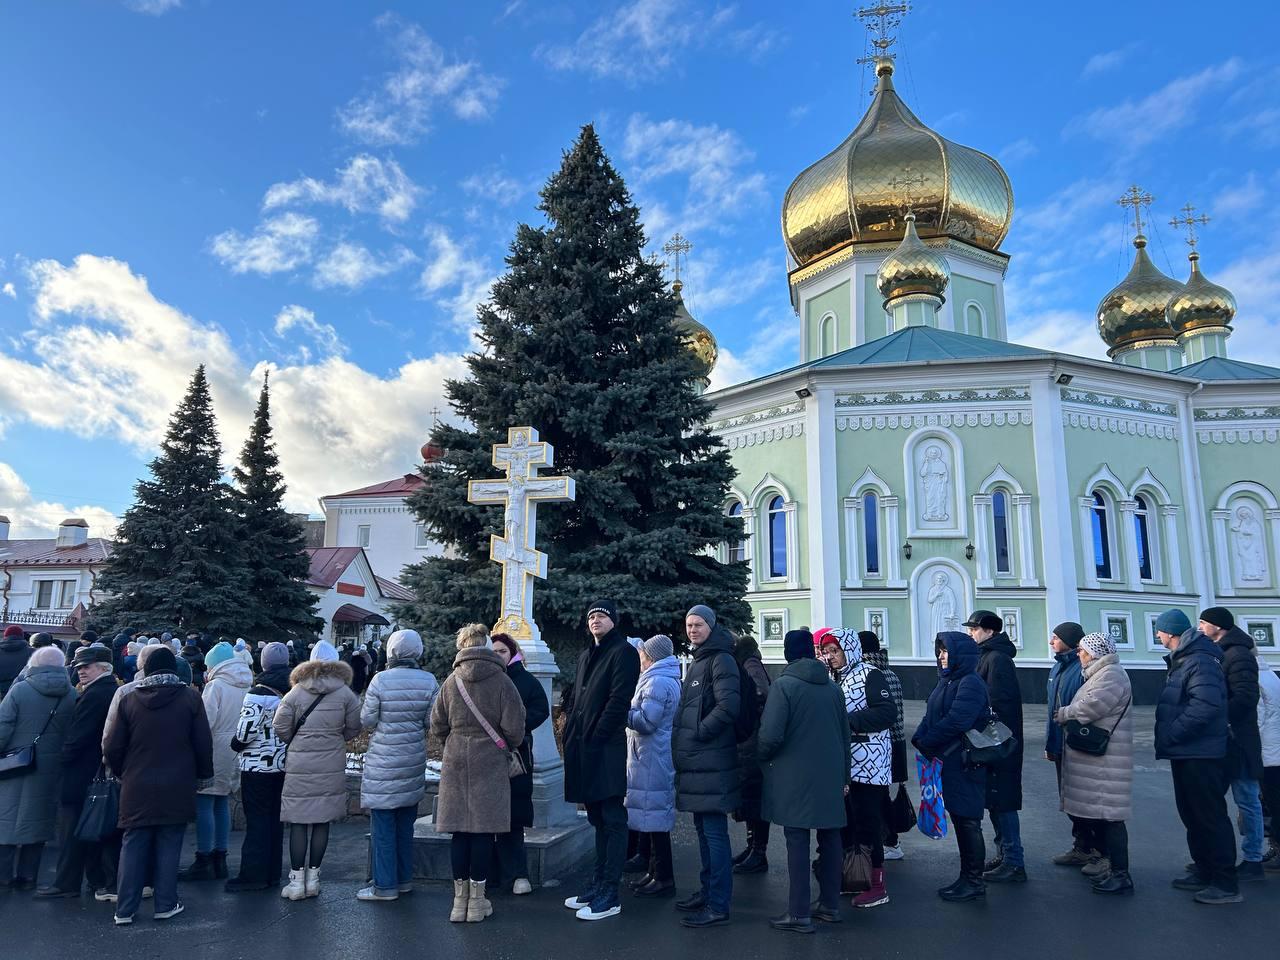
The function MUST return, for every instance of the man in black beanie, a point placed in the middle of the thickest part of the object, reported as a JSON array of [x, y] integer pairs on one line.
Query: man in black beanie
[[1244, 767], [595, 753]]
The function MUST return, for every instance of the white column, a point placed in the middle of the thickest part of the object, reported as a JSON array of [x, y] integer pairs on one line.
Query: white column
[[748, 536], [1226, 586], [1086, 541], [1062, 597], [1129, 539], [1026, 542], [1173, 550], [823, 548], [852, 542], [793, 545], [1273, 521], [891, 537], [982, 539], [1193, 498]]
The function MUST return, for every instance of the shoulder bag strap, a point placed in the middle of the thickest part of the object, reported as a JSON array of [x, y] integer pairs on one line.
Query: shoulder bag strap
[[1116, 725], [314, 703], [48, 720], [475, 712]]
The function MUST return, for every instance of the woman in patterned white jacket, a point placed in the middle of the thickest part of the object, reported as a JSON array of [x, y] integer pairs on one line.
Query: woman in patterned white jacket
[[872, 713], [260, 758]]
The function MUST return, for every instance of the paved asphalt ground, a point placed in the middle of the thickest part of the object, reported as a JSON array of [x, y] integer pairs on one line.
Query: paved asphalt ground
[[1053, 916]]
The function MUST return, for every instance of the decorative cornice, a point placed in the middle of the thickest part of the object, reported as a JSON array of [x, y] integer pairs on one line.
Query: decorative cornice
[[893, 398], [873, 251], [1114, 402], [1238, 435], [961, 418], [751, 438], [759, 416], [1127, 425], [1237, 413]]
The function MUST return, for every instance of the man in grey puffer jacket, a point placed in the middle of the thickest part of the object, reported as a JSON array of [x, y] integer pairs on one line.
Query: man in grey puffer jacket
[[397, 708]]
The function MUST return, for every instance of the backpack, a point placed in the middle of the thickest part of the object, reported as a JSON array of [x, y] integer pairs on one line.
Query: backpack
[[747, 721]]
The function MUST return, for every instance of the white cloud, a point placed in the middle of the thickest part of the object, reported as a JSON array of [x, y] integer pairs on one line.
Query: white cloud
[[1254, 279], [714, 160], [322, 335], [33, 519], [365, 184], [1107, 60], [9, 291], [425, 78], [1020, 149], [457, 281], [496, 186], [107, 358], [1134, 124], [351, 266], [774, 345], [153, 7], [1242, 200], [1062, 330], [278, 244]]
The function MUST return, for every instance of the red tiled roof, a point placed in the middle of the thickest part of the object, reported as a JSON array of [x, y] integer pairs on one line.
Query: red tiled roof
[[398, 487], [44, 553], [328, 564], [392, 590]]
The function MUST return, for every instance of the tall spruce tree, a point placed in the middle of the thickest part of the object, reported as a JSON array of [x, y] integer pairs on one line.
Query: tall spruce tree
[[177, 561], [277, 603], [580, 342]]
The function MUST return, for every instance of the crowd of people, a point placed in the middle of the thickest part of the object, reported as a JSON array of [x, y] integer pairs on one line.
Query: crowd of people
[[168, 732]]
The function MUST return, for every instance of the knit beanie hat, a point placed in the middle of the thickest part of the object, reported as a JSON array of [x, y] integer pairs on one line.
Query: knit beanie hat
[[219, 653], [608, 607], [705, 612], [797, 645], [13, 630], [820, 636], [1070, 633], [658, 647], [160, 660], [1173, 622], [274, 655], [1219, 616], [39, 640], [324, 650], [1098, 644]]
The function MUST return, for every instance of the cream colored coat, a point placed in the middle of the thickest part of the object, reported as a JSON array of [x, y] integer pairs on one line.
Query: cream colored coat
[[224, 689], [1101, 788]]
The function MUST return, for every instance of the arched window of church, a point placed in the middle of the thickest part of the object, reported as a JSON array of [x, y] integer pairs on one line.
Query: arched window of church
[[973, 320], [777, 537], [871, 532], [1101, 538], [827, 335], [1142, 533], [1000, 520], [737, 549]]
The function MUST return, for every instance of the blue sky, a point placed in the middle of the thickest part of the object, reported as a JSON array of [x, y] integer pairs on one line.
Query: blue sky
[[326, 189]]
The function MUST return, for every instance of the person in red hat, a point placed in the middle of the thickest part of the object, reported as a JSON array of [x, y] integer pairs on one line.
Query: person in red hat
[[14, 654]]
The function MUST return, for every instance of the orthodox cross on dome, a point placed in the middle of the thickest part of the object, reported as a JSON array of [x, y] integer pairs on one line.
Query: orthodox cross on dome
[[900, 187], [520, 492], [677, 248], [1136, 198], [882, 20], [435, 416], [1190, 221]]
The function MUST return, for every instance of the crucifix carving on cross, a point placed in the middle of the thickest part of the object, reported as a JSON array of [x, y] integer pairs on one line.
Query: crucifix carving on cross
[[520, 492], [1135, 198]]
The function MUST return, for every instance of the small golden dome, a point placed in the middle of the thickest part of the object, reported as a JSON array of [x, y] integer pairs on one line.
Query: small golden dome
[[1133, 313], [913, 268], [1202, 304], [846, 196], [696, 335]]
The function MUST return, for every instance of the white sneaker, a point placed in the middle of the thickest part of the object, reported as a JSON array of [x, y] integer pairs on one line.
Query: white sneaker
[[178, 908], [406, 888], [123, 921], [104, 895], [370, 893], [521, 887], [894, 852], [296, 888], [147, 893], [313, 881]]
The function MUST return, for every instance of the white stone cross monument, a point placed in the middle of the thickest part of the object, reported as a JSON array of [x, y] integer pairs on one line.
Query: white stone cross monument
[[520, 492]]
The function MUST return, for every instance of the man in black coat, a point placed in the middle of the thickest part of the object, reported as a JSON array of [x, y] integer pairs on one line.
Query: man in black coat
[[1004, 779], [595, 753], [1244, 743], [81, 757]]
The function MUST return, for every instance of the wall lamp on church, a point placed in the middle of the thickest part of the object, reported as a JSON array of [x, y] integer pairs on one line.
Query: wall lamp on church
[[968, 551], [804, 393], [906, 549]]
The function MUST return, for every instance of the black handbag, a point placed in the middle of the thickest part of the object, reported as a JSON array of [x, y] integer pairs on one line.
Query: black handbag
[[902, 812], [20, 762], [990, 744], [101, 810], [1090, 739]]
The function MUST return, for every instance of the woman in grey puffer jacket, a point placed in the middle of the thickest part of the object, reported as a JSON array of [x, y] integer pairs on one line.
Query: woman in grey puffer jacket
[[397, 708]]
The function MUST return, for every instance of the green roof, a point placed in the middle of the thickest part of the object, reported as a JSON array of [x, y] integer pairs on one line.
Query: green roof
[[920, 344], [1221, 368]]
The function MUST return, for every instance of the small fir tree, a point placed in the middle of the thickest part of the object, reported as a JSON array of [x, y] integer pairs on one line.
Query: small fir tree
[[277, 605], [580, 342], [177, 562]]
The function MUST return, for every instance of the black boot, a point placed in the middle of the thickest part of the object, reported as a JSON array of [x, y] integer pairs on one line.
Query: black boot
[[201, 868], [751, 845], [219, 860], [756, 862], [970, 885], [636, 864]]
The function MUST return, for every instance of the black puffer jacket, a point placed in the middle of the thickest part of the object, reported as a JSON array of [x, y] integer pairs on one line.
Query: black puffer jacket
[[703, 739], [1191, 714], [995, 667], [1240, 666], [14, 654]]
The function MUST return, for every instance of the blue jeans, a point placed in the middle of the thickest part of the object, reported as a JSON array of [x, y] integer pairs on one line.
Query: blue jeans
[[716, 876], [149, 855], [213, 823], [392, 848], [1248, 798], [1010, 830]]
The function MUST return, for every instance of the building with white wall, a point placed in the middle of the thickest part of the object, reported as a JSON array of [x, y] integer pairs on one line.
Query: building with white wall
[[378, 520], [48, 584]]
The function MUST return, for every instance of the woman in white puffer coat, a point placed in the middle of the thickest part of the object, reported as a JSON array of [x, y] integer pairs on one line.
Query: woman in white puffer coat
[[1269, 727]]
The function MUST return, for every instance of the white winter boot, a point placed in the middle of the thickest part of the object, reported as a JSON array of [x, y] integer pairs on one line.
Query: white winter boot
[[296, 888], [461, 892], [478, 905], [313, 881]]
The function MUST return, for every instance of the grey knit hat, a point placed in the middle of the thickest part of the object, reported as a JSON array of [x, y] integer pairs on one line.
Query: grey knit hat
[[705, 612], [658, 647]]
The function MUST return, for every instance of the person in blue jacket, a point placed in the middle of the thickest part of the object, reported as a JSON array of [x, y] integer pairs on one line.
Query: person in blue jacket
[[1191, 733], [1065, 680], [958, 703]]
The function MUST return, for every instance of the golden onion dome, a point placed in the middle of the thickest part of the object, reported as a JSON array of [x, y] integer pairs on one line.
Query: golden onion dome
[[1201, 304], [913, 268], [696, 336], [1133, 313], [846, 197]]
